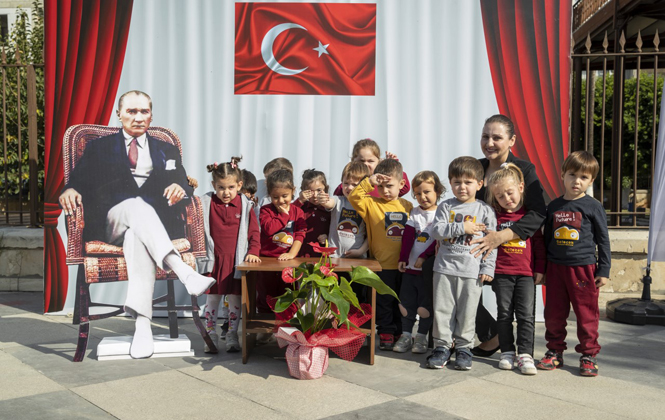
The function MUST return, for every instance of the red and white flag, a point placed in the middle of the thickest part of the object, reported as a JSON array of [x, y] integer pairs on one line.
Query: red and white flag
[[305, 48]]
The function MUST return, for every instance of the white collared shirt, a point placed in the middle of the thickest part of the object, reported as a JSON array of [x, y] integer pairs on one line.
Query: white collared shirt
[[144, 162]]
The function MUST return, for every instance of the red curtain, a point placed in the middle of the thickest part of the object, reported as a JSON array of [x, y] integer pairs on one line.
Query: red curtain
[[85, 48], [528, 44]]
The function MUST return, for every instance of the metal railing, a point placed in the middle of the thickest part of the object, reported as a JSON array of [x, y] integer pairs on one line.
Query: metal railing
[[628, 85], [20, 169], [584, 9]]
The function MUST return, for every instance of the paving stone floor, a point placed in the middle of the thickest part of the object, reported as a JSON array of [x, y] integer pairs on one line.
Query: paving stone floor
[[39, 381]]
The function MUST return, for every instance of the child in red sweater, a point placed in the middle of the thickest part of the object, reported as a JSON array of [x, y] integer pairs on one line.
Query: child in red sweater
[[314, 193], [520, 265], [282, 233]]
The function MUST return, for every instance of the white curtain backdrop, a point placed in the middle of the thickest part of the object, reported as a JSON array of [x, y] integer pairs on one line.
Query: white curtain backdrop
[[433, 92]]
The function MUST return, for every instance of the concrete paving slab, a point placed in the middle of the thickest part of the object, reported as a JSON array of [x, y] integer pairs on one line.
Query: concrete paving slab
[[481, 399], [268, 383], [171, 395], [56, 364], [33, 329], [635, 359], [601, 393], [31, 381], [402, 375], [52, 406], [396, 386], [23, 301], [396, 409]]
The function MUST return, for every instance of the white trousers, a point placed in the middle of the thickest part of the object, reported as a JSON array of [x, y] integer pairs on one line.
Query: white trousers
[[135, 225], [455, 305]]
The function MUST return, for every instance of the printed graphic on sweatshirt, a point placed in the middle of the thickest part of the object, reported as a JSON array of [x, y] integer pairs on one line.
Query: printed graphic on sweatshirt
[[348, 225], [566, 227], [423, 237], [461, 243], [284, 238], [514, 246], [395, 222]]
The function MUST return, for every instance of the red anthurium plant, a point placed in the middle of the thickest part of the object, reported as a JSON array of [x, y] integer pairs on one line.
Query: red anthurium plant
[[324, 299]]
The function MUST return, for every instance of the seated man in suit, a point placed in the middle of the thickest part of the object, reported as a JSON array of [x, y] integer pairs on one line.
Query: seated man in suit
[[132, 187]]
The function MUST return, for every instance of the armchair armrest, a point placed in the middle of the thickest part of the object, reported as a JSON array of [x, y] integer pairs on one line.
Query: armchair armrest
[[195, 227], [75, 224]]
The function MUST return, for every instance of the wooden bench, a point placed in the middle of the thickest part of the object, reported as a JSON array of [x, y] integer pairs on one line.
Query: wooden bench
[[253, 323]]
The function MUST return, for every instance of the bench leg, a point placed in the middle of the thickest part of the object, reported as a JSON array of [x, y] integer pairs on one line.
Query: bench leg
[[247, 341], [372, 336]]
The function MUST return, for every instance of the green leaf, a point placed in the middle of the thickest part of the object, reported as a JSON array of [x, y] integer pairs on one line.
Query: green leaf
[[348, 293], [306, 321], [325, 282], [364, 275], [335, 296], [284, 301]]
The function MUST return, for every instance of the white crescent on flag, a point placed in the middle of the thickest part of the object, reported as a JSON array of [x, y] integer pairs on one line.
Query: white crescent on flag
[[266, 49]]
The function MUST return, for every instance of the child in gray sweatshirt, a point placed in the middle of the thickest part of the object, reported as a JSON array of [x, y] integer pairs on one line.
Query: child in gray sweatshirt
[[458, 275]]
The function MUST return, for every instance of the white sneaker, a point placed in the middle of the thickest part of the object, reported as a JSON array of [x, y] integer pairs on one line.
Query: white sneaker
[[215, 339], [526, 364], [232, 343], [507, 361]]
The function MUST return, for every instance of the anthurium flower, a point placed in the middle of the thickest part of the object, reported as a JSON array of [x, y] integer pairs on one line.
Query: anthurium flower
[[322, 249], [327, 271], [288, 275]]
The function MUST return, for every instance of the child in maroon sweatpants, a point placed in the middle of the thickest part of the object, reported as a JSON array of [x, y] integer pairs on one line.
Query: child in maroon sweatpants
[[574, 226]]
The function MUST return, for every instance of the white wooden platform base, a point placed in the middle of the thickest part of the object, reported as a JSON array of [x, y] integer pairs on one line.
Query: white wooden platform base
[[117, 348]]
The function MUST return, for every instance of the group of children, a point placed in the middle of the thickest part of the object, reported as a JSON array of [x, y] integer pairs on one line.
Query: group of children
[[367, 216]]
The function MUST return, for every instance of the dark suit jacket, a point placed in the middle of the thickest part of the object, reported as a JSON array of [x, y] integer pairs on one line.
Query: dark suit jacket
[[104, 179], [534, 202]]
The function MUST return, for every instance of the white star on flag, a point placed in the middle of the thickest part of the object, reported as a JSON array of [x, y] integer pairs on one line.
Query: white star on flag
[[321, 49]]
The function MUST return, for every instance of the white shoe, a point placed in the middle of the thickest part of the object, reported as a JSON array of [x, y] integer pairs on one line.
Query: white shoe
[[215, 340], [507, 361], [232, 343], [198, 284], [526, 364]]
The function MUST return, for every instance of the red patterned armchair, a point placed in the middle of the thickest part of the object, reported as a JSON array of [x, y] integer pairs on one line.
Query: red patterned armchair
[[100, 262]]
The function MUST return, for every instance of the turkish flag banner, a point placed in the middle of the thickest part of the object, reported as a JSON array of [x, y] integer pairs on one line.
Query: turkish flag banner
[[305, 48]]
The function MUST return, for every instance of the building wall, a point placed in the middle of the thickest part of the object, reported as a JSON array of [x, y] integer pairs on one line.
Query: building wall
[[629, 261]]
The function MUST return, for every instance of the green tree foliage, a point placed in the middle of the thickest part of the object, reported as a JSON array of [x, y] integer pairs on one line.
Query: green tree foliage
[[647, 96], [23, 45]]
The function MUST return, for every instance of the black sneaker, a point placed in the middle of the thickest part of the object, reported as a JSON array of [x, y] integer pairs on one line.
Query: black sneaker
[[588, 365], [552, 360], [463, 359], [439, 358]]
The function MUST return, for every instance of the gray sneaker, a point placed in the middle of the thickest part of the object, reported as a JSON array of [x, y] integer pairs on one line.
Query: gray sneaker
[[463, 359], [420, 345], [232, 343], [403, 344], [439, 358]]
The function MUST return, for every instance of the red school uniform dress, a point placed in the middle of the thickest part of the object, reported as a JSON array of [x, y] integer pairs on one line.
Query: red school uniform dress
[[317, 220], [224, 226]]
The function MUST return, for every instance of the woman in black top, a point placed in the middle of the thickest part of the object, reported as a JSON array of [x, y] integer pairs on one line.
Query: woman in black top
[[497, 139]]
